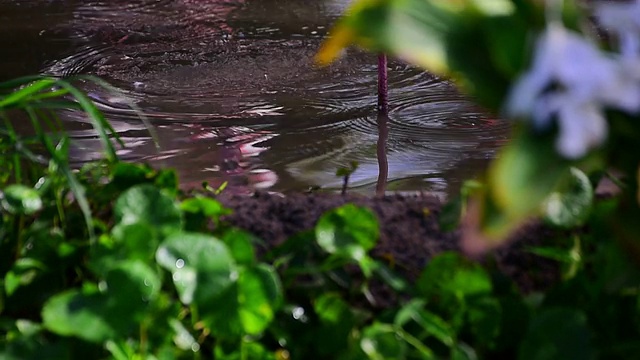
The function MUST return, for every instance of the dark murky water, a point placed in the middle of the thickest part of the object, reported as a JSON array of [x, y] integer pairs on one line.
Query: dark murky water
[[230, 88]]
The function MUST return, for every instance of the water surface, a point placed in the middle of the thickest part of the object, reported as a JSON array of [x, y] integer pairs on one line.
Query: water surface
[[233, 95]]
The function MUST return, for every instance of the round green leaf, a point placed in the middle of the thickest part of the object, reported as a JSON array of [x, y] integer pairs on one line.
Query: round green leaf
[[136, 241], [95, 316], [246, 307], [449, 274], [348, 230], [133, 283], [20, 200], [240, 243], [201, 265], [570, 205], [74, 314], [259, 293], [147, 204]]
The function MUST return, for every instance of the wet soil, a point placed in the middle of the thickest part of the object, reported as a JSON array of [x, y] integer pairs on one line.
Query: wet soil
[[410, 233]]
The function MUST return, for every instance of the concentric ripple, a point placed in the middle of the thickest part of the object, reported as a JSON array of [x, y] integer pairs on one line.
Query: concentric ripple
[[231, 93]]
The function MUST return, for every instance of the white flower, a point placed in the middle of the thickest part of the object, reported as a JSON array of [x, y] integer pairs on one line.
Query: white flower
[[573, 80]]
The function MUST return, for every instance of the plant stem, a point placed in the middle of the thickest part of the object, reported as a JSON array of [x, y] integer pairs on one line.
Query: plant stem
[[383, 127]]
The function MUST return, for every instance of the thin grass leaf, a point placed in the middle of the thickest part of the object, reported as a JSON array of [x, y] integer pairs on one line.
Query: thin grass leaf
[[128, 102], [14, 83], [13, 138], [97, 118], [49, 95], [26, 92], [74, 184]]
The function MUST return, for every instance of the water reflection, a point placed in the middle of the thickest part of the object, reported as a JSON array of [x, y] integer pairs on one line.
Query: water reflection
[[232, 93]]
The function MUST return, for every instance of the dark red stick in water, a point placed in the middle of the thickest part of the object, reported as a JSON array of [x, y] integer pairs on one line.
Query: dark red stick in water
[[383, 128]]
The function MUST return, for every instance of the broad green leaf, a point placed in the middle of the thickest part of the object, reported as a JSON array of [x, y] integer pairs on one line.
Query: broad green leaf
[[135, 240], [524, 174], [20, 200], [253, 350], [380, 341], [134, 284], [126, 175], [207, 206], [492, 7], [569, 205], [247, 306], [202, 266], [240, 243], [259, 294], [558, 333], [348, 230], [450, 274], [412, 30], [147, 204], [99, 316], [75, 314]]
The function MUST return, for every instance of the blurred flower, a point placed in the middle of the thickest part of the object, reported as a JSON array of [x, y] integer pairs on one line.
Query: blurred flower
[[572, 79], [623, 19]]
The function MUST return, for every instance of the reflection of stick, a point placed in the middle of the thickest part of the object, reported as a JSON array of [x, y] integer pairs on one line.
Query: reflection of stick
[[383, 99], [383, 128], [345, 185], [383, 165]]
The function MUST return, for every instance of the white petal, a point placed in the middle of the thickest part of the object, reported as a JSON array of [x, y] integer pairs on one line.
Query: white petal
[[582, 127]]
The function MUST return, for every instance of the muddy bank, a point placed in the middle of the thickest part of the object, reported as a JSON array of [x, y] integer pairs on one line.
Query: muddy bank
[[410, 234]]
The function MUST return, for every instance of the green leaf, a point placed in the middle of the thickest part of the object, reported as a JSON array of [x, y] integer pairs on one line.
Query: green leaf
[[379, 341], [431, 323], [259, 294], [331, 308], [524, 174], [240, 243], [450, 274], [147, 204], [126, 175], [349, 230], [247, 306], [485, 317], [135, 241], [570, 204], [412, 30], [23, 272], [97, 317], [558, 333], [199, 210], [202, 266], [21, 200], [25, 93]]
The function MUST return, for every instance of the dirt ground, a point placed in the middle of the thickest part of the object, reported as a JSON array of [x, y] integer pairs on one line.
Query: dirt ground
[[410, 234]]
